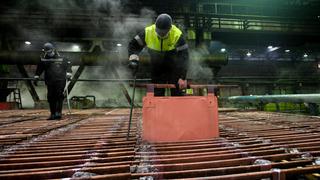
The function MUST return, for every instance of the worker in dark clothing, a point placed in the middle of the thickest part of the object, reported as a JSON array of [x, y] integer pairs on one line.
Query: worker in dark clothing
[[56, 70], [168, 51]]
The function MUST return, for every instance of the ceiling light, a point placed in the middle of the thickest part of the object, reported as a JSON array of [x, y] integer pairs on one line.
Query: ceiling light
[[287, 50], [75, 48], [248, 54], [119, 45], [223, 50], [27, 42], [305, 55], [270, 48]]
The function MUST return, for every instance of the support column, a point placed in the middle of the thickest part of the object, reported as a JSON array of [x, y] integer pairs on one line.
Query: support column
[[29, 84], [76, 77]]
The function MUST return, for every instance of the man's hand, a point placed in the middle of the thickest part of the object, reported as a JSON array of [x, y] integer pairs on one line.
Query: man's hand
[[36, 79], [182, 84], [134, 63], [69, 76]]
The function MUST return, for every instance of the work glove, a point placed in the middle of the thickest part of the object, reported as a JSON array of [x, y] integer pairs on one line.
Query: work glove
[[69, 76], [182, 84], [134, 63], [36, 79]]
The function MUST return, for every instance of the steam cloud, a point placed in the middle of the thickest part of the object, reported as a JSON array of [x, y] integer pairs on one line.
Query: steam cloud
[[198, 71], [123, 27]]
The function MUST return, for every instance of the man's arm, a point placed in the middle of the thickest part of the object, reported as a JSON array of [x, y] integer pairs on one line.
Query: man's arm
[[182, 50], [40, 68], [135, 47], [136, 44]]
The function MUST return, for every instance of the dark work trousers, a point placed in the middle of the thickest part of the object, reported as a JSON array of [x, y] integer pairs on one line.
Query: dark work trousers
[[161, 91], [165, 70], [165, 78], [55, 96]]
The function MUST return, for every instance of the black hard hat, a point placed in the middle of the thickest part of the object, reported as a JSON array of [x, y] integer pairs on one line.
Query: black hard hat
[[48, 47], [163, 24]]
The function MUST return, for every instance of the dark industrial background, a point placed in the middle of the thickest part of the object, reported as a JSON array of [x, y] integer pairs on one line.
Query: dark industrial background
[[267, 50], [265, 47]]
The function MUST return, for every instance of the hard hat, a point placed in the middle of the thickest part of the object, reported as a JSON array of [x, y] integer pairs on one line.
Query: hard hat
[[163, 25], [49, 50], [48, 47]]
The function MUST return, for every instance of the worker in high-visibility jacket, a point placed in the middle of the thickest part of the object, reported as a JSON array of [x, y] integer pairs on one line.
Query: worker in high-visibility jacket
[[168, 52]]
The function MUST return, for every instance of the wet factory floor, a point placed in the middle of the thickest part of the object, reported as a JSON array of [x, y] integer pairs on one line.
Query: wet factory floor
[[93, 144]]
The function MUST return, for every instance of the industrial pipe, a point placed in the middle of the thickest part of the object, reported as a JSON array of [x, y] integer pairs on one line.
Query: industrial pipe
[[294, 98], [84, 80], [33, 58], [192, 86], [93, 59]]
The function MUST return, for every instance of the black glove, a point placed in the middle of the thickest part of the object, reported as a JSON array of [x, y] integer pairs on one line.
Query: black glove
[[134, 66]]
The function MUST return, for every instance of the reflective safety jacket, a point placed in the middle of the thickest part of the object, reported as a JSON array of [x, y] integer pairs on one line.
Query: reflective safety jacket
[[167, 44], [171, 51]]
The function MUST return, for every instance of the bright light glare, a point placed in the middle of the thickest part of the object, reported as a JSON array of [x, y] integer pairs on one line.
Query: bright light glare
[[27, 42], [248, 54], [223, 50], [287, 50], [305, 55], [271, 48], [119, 45], [75, 48]]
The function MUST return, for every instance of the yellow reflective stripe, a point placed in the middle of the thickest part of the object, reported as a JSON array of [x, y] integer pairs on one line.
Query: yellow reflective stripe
[[154, 42]]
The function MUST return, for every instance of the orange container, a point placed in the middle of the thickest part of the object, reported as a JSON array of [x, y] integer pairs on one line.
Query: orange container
[[179, 118], [7, 105]]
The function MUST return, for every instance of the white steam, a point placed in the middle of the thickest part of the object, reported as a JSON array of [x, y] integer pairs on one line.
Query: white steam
[[198, 71]]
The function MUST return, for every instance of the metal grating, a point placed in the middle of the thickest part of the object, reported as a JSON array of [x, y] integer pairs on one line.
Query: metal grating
[[86, 144], [92, 144]]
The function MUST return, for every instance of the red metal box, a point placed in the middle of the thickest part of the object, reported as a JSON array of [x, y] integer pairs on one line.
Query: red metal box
[[7, 105], [180, 118]]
